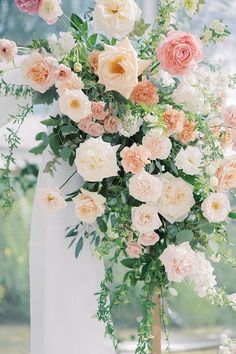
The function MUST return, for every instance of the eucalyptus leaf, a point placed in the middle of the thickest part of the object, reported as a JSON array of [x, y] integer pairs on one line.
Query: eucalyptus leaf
[[79, 247]]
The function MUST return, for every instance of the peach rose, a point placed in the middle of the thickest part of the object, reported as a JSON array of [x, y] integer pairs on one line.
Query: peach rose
[[73, 82], [134, 158], [226, 174], [174, 120], [189, 132], [145, 218], [145, 92], [229, 116], [97, 109], [159, 146], [90, 127], [111, 125], [180, 52], [93, 59], [149, 239], [63, 73], [8, 50], [226, 138], [89, 206], [134, 249], [38, 72], [145, 187]]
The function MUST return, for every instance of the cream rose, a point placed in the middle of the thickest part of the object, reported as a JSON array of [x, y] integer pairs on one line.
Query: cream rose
[[176, 200], [89, 206], [216, 207], [159, 146], [116, 17], [145, 187], [75, 104], [96, 160], [51, 199], [189, 160], [119, 67], [226, 174], [145, 218]]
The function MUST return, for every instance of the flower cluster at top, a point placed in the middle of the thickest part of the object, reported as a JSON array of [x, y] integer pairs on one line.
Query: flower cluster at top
[[145, 122]]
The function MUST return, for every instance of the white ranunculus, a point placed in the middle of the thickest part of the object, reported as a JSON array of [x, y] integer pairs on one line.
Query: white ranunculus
[[89, 206], [189, 160], [176, 200], [119, 67], [96, 160], [145, 187], [51, 199], [216, 207], [116, 18], [75, 104], [145, 218]]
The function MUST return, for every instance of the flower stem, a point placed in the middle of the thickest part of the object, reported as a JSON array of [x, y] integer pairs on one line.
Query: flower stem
[[63, 185]]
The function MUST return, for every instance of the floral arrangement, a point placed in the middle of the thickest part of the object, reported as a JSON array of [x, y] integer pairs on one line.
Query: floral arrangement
[[142, 116]]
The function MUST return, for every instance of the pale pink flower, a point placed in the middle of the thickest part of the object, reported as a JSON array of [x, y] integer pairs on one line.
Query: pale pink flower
[[226, 174], [8, 50], [93, 59], [97, 109], [111, 124], [180, 52], [145, 218], [75, 104], [149, 239], [62, 73], [38, 72], [89, 206], [145, 92], [174, 120], [229, 116], [134, 249], [216, 207], [159, 146], [51, 199], [145, 187], [73, 82], [179, 262], [227, 138], [189, 132], [29, 6], [90, 127], [134, 158], [50, 10]]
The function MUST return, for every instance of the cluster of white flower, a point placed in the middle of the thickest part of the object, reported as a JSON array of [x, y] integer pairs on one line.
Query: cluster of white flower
[[61, 46], [130, 125], [227, 346]]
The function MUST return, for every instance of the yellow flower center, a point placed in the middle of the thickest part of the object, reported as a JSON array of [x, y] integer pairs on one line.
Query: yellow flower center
[[215, 206], [75, 104], [51, 198], [116, 67]]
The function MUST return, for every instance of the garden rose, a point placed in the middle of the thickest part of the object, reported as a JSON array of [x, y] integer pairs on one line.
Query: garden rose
[[176, 200], [97, 109], [96, 160], [149, 239], [145, 92], [51, 199], [119, 67], [93, 59], [50, 10], [111, 125], [159, 146], [90, 127], [145, 187], [180, 52], [226, 174], [38, 72], [75, 104], [134, 158], [62, 73], [179, 262], [189, 132], [216, 207], [8, 50], [145, 218], [89, 206], [189, 160], [116, 18], [29, 6], [174, 120], [229, 116], [73, 82], [134, 249]]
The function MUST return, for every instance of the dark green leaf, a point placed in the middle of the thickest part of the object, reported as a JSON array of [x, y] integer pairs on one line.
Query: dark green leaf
[[68, 129], [207, 228], [102, 225], [54, 143], [93, 39], [184, 236], [129, 262], [232, 215], [66, 153], [45, 98], [79, 247], [38, 149], [50, 122]]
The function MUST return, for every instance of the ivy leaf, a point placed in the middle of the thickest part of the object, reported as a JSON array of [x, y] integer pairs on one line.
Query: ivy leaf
[[79, 247], [45, 98]]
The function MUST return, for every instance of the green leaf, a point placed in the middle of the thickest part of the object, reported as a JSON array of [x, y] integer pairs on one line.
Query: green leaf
[[185, 236], [140, 28], [50, 122], [102, 225], [232, 215], [93, 39], [207, 228], [68, 129], [45, 98], [76, 21], [42, 136], [54, 143], [79, 247], [66, 153], [38, 150], [129, 263]]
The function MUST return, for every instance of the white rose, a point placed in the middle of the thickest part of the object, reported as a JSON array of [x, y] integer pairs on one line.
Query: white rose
[[89, 206], [216, 207], [159, 146], [75, 104], [119, 67], [176, 200], [51, 199], [145, 187], [129, 125], [116, 17], [145, 218], [189, 160], [96, 160], [50, 10]]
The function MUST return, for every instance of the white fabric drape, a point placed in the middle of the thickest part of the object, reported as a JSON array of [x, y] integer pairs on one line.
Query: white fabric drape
[[63, 287]]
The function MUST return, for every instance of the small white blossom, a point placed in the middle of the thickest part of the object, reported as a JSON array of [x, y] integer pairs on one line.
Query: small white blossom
[[130, 125], [207, 35], [218, 27], [61, 46]]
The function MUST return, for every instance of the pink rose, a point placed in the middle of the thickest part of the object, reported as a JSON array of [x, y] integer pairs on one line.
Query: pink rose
[[111, 124], [159, 146], [8, 50], [179, 262], [134, 249], [90, 127], [149, 239], [134, 158], [63, 73], [145, 218], [29, 6], [229, 116], [180, 52], [98, 110], [174, 120], [189, 132], [145, 92]]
